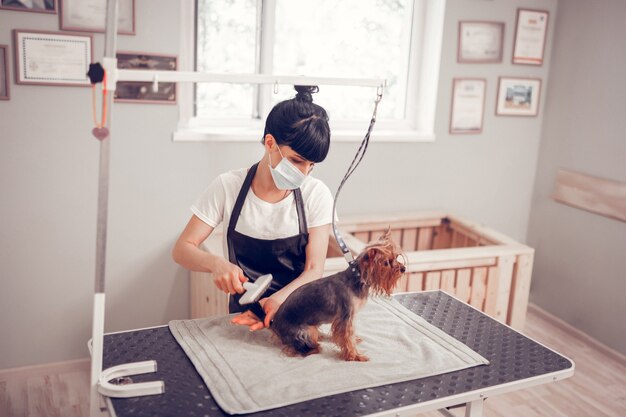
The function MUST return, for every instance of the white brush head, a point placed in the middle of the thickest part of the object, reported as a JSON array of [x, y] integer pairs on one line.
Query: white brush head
[[254, 290]]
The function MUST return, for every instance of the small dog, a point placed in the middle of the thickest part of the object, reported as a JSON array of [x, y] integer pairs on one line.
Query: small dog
[[336, 300]]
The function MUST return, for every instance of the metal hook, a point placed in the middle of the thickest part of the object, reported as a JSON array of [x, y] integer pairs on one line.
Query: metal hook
[[276, 87], [379, 92]]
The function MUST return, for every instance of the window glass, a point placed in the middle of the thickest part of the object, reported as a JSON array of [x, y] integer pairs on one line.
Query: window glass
[[356, 38], [327, 38], [225, 43]]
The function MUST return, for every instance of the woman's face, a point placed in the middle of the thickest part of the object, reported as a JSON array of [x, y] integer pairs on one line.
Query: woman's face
[[298, 161], [278, 152]]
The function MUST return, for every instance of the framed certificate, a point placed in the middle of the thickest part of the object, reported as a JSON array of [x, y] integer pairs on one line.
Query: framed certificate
[[90, 16], [142, 92], [51, 58], [480, 42], [468, 105], [38, 6], [530, 36], [4, 73], [518, 96]]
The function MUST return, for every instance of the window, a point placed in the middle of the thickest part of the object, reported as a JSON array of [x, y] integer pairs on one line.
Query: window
[[398, 40]]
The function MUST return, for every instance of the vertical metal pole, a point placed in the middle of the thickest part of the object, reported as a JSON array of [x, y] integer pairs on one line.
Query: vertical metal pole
[[101, 229]]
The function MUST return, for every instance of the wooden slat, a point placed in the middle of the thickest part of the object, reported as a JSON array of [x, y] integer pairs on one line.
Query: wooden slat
[[415, 282], [469, 232], [381, 221], [447, 281], [491, 297], [409, 239], [487, 235], [442, 255], [505, 278], [479, 286], [451, 264], [456, 239], [362, 236], [463, 278], [596, 195], [402, 285], [206, 299], [442, 237], [396, 236], [425, 238], [520, 291], [432, 281]]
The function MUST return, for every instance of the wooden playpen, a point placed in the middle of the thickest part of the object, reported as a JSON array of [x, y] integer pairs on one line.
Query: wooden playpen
[[476, 264]]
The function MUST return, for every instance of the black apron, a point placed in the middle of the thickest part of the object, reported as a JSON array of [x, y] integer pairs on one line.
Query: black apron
[[283, 258]]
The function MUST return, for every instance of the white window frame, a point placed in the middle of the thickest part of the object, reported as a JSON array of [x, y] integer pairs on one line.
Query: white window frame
[[422, 84]]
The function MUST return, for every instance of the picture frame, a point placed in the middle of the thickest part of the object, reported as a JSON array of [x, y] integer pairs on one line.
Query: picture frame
[[468, 105], [518, 96], [531, 29], [90, 16], [4, 73], [480, 42], [52, 58], [38, 6], [141, 92]]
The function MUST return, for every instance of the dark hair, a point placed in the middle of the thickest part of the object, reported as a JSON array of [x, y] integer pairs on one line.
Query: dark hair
[[301, 125]]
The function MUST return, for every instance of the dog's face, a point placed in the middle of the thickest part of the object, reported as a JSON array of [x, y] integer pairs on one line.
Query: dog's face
[[382, 264]]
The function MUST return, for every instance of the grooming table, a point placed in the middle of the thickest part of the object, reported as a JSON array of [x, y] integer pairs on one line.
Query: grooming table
[[516, 362]]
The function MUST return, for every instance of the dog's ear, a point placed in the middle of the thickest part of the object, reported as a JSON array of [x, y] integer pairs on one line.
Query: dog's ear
[[386, 235], [369, 254]]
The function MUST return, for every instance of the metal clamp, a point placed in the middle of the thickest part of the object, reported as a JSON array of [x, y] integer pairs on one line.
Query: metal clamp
[[105, 387]]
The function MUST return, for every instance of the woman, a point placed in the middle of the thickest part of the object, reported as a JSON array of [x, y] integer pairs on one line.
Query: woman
[[277, 216]]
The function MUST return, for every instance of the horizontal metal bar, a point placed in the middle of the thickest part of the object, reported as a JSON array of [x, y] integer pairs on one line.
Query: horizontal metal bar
[[197, 77]]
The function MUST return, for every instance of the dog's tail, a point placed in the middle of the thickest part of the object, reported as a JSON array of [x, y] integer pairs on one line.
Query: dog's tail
[[303, 343]]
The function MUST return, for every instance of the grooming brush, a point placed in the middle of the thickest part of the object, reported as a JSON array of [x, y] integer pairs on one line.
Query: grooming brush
[[254, 290]]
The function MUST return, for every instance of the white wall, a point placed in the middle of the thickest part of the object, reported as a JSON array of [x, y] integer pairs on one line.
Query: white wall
[[48, 180], [580, 263]]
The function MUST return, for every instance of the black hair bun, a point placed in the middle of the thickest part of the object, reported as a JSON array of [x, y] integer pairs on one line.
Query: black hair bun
[[305, 92]]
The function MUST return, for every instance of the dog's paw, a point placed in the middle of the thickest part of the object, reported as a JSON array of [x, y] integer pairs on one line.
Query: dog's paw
[[356, 357]]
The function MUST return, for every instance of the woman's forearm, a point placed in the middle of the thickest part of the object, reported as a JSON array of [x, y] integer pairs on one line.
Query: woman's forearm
[[304, 278], [191, 257]]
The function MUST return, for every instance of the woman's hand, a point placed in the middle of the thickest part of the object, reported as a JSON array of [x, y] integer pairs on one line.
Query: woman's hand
[[248, 318], [228, 277]]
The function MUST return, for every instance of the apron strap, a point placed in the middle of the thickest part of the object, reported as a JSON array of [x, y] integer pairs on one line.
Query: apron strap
[[241, 197], [300, 210], [247, 182]]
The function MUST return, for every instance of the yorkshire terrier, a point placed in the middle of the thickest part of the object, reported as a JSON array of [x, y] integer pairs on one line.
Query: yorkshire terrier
[[336, 300]]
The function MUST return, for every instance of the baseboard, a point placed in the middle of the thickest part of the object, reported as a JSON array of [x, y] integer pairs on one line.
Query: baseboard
[[25, 371], [563, 325]]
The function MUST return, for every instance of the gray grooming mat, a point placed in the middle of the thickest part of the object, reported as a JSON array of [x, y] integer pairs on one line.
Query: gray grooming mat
[[514, 360], [247, 372]]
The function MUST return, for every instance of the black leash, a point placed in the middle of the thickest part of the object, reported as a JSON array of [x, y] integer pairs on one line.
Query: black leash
[[355, 163]]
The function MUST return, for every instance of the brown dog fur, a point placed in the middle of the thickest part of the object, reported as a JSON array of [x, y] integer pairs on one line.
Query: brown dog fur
[[336, 300]]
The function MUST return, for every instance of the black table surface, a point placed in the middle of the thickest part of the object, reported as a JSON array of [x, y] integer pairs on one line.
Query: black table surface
[[513, 358]]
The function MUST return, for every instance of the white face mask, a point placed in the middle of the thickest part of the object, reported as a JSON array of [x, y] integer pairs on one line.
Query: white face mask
[[286, 176]]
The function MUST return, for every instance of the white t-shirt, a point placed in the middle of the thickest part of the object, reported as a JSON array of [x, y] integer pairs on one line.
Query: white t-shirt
[[258, 218]]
